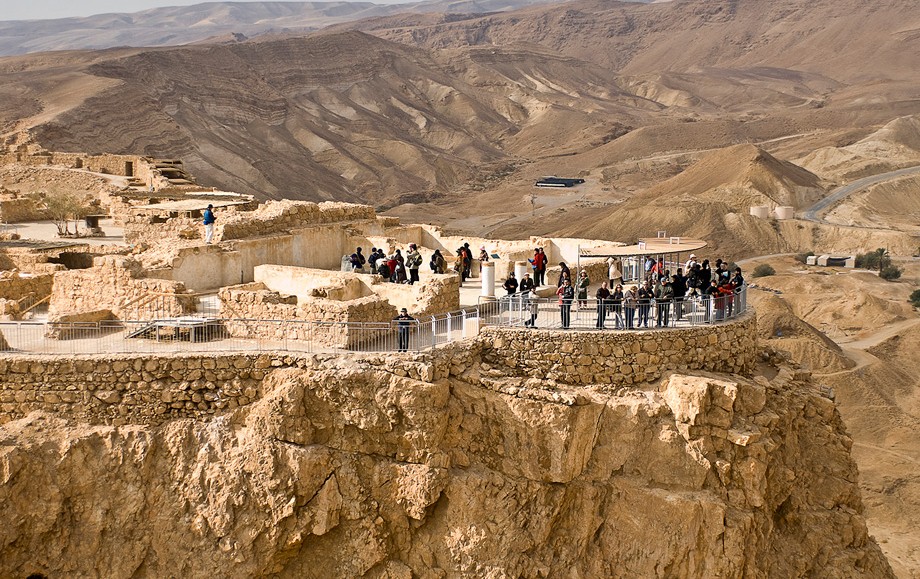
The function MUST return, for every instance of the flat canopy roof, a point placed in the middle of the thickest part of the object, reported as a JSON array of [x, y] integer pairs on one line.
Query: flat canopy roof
[[650, 246]]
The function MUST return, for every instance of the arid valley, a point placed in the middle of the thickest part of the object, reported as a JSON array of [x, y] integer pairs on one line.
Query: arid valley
[[773, 131]]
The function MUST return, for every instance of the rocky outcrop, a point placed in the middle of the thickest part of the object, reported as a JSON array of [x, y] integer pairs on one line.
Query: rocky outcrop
[[419, 466]]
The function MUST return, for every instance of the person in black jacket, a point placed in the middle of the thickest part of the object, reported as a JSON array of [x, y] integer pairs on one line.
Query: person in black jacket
[[679, 286], [603, 295], [403, 325], [511, 284], [526, 284]]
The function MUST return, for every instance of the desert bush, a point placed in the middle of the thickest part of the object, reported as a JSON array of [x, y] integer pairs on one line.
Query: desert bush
[[763, 270], [803, 257], [890, 272], [915, 298], [877, 259]]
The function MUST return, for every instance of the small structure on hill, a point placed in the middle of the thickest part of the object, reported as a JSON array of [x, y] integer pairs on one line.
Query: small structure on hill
[[831, 261]]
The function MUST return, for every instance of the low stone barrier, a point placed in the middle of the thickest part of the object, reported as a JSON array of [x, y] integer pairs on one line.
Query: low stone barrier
[[620, 357]]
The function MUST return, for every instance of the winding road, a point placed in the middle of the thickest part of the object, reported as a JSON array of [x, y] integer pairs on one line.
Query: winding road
[[811, 214]]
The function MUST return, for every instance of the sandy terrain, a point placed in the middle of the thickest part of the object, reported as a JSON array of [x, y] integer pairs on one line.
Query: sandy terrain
[[679, 116]]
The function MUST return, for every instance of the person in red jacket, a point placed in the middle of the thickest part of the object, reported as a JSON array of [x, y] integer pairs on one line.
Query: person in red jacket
[[538, 263]]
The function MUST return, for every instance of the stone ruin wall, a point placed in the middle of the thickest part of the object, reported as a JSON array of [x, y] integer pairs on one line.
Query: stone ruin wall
[[316, 321], [15, 288], [620, 358], [150, 388], [20, 210], [271, 218], [114, 284]]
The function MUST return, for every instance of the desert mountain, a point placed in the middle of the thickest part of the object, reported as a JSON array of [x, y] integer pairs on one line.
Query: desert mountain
[[171, 26], [474, 108], [710, 199]]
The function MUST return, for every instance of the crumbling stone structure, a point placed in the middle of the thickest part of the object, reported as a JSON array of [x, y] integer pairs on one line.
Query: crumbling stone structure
[[116, 284]]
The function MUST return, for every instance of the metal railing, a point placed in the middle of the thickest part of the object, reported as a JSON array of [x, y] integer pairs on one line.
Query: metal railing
[[191, 334], [690, 311]]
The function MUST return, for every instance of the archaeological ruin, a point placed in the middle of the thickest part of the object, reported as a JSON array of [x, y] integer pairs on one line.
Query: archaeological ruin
[[252, 401]]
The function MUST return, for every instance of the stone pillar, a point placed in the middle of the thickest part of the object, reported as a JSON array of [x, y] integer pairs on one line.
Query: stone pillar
[[488, 279], [520, 268]]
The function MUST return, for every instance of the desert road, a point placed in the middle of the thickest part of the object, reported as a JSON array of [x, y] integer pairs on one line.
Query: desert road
[[811, 214]]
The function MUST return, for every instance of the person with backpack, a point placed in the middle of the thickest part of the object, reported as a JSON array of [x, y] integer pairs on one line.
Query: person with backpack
[[413, 262]]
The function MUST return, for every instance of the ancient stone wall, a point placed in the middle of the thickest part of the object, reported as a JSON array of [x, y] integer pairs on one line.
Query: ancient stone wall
[[20, 210], [319, 322], [114, 283], [137, 389], [620, 357], [282, 216], [16, 286]]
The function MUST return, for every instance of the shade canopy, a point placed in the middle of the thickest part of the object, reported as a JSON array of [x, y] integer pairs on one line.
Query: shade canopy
[[651, 246]]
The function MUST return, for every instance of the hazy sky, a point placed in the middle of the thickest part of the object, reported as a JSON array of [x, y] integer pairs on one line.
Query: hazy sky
[[34, 9]]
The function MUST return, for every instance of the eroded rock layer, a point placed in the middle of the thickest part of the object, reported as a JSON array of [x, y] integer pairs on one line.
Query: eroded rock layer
[[381, 466]]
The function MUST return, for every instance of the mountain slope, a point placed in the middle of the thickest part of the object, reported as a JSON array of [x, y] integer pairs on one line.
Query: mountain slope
[[175, 25]]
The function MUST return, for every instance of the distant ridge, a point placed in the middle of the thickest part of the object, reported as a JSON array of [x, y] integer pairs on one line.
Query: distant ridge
[[173, 26]]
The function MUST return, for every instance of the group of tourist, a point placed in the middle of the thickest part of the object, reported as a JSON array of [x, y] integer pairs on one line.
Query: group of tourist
[[651, 303], [395, 268]]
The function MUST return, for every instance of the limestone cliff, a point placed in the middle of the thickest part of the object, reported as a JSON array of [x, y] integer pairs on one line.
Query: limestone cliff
[[387, 467]]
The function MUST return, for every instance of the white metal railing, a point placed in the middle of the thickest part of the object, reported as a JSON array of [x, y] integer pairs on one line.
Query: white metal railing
[[693, 310], [192, 334]]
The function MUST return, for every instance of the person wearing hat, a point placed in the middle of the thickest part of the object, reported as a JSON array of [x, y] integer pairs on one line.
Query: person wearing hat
[[483, 254], [511, 284], [526, 283], [690, 263], [208, 221], [403, 323], [664, 295]]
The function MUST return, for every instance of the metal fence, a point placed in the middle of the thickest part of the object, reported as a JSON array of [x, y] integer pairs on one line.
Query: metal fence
[[518, 311], [195, 334]]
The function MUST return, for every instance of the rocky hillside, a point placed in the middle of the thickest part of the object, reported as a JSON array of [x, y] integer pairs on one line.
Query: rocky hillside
[[443, 466], [427, 113], [220, 21]]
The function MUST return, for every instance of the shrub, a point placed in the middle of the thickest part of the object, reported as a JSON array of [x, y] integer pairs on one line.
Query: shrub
[[890, 272], [915, 298], [763, 270], [803, 257], [877, 259]]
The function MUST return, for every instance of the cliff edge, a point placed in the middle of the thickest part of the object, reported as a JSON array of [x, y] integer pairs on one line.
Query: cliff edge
[[434, 466]]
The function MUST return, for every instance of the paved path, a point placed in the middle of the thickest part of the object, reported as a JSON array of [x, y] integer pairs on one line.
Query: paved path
[[811, 214]]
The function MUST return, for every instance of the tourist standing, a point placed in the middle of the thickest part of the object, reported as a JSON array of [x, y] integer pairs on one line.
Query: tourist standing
[[630, 302], [616, 305], [413, 262], [403, 325], [526, 284], [583, 283], [372, 259], [539, 263], [645, 295], [511, 284], [564, 274], [530, 299], [483, 255], [664, 295], [679, 287], [614, 275], [566, 295], [208, 220], [602, 295]]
